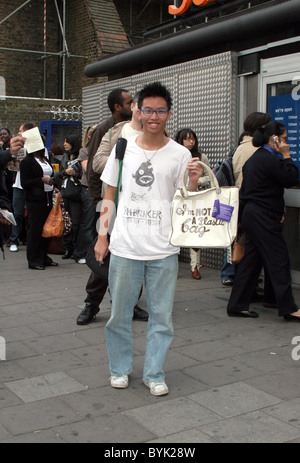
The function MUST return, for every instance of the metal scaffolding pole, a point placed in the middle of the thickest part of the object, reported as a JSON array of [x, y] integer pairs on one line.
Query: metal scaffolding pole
[[18, 9], [63, 53], [45, 46], [65, 50], [60, 53]]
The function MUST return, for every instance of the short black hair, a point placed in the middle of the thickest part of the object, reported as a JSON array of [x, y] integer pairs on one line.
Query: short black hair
[[7, 130], [116, 97], [155, 89], [27, 126], [254, 121], [263, 135]]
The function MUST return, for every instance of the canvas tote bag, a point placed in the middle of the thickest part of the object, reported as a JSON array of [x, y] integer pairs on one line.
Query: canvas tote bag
[[204, 219]]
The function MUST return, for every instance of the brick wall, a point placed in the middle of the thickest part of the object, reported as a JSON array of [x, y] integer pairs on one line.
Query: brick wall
[[29, 75], [157, 10], [24, 72], [82, 41]]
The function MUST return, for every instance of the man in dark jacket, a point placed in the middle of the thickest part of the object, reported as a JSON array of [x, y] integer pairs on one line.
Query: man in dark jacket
[[119, 101], [6, 156]]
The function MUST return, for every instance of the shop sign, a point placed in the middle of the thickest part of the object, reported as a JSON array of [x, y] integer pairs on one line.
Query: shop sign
[[286, 109], [177, 11]]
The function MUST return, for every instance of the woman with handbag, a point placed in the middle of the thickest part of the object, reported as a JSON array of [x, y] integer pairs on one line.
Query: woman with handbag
[[37, 182], [70, 185], [265, 175], [188, 138]]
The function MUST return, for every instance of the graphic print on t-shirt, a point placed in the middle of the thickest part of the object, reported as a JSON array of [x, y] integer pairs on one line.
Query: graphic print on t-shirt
[[144, 175]]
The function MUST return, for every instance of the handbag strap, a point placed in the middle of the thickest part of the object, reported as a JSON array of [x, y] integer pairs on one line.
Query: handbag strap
[[213, 180], [119, 183], [120, 153]]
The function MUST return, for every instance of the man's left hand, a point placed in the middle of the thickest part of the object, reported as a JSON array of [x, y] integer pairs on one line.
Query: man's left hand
[[4, 220], [195, 172]]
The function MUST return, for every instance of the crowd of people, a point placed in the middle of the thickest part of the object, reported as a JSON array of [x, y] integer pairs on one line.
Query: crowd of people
[[87, 174]]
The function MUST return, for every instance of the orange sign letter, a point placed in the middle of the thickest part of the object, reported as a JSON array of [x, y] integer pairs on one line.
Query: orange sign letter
[[182, 9], [202, 2], [185, 6]]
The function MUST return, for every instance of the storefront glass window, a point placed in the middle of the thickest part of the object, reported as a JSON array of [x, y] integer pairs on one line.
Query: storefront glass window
[[286, 109]]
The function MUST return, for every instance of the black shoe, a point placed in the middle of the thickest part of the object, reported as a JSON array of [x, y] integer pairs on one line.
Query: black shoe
[[67, 255], [52, 264], [36, 267], [140, 314], [243, 314], [87, 315]]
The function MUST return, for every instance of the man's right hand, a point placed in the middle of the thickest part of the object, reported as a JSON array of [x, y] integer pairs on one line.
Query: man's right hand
[[101, 249], [16, 143]]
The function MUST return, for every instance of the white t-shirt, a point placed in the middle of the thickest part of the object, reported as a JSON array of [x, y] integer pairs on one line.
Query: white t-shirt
[[17, 183], [142, 227], [47, 171], [128, 131]]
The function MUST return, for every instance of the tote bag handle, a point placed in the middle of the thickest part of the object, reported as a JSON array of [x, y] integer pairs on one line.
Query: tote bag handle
[[213, 180]]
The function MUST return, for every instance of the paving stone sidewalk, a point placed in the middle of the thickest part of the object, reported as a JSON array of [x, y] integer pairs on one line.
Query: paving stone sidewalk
[[230, 380]]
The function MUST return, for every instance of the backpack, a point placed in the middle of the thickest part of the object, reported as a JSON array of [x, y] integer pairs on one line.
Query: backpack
[[224, 171]]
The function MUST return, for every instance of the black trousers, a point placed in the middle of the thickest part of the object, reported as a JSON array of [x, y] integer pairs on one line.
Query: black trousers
[[265, 247], [37, 246], [96, 288]]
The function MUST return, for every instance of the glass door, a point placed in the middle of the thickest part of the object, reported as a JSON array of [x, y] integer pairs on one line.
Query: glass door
[[281, 98]]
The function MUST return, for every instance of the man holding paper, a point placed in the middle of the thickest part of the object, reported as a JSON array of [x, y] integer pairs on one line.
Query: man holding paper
[[6, 156], [18, 200]]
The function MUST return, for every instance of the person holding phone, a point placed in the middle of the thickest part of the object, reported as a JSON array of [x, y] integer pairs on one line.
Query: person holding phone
[[265, 176]]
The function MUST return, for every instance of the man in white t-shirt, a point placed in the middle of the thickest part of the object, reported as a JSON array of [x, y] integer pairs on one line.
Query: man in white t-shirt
[[140, 250]]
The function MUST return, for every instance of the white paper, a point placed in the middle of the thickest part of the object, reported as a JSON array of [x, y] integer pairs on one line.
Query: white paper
[[34, 141], [9, 216]]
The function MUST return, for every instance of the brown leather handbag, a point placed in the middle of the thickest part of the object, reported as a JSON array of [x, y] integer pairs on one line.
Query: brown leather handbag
[[238, 252]]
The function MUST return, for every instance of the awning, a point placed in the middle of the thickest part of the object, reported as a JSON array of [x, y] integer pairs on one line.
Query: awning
[[270, 17]]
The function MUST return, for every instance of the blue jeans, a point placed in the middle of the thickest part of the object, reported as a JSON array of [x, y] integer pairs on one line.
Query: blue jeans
[[126, 277], [228, 270]]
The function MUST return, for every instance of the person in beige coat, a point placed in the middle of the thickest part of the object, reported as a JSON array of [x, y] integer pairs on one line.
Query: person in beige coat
[[245, 150], [125, 129]]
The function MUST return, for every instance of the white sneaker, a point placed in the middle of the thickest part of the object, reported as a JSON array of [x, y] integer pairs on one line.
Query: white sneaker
[[157, 388], [81, 261], [14, 248], [119, 382]]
